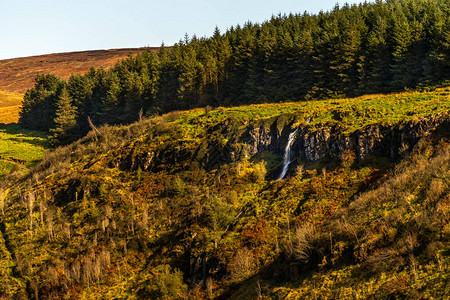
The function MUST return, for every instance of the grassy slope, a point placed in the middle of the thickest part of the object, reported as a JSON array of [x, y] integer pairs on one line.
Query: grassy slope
[[352, 114], [97, 229], [19, 149], [399, 232], [10, 104]]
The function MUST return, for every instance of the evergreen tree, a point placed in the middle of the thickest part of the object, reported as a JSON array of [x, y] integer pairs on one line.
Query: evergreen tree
[[188, 80], [80, 89], [39, 103], [374, 74], [150, 80], [109, 92], [65, 121]]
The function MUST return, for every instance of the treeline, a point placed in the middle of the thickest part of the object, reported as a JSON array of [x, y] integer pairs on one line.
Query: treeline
[[368, 48]]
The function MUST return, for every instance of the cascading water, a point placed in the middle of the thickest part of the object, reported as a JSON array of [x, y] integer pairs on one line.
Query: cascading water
[[287, 154]]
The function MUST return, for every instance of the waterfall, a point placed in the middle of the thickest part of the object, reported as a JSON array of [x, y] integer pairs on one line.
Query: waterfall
[[287, 154]]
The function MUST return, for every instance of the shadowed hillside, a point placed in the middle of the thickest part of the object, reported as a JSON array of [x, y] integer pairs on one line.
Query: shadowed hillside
[[17, 74], [307, 157]]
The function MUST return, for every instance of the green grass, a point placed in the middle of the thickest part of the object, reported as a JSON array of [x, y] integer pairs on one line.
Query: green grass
[[352, 114], [20, 148]]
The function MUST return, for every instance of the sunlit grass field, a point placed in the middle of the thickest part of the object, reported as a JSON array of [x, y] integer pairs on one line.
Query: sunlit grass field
[[350, 113], [10, 104], [19, 148]]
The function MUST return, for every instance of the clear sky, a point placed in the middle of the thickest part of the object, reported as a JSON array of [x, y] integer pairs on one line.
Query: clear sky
[[34, 27]]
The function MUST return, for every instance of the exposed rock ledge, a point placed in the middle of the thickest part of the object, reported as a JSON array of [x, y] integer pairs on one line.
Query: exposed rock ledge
[[312, 143]]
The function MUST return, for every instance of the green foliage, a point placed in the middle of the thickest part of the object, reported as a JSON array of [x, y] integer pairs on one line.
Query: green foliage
[[164, 284], [218, 213], [65, 121], [40, 103]]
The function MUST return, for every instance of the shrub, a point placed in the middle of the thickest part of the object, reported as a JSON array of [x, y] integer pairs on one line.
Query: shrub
[[208, 108], [348, 157], [166, 283], [302, 243], [241, 265]]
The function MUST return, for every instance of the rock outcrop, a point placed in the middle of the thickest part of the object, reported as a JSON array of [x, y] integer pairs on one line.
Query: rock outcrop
[[317, 143], [312, 143]]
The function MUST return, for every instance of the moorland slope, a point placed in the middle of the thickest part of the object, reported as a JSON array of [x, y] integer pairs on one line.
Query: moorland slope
[[186, 205], [17, 74]]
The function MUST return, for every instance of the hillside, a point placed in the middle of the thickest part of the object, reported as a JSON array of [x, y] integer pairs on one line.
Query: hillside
[[306, 157], [10, 105], [187, 205], [17, 74]]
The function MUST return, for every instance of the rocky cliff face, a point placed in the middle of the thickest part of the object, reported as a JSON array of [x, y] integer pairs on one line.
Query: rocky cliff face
[[312, 143]]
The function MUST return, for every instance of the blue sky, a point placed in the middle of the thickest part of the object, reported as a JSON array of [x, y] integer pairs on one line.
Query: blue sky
[[35, 27]]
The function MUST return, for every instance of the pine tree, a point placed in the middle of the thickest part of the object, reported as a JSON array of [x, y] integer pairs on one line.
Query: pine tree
[[188, 67], [65, 121], [80, 89], [39, 103]]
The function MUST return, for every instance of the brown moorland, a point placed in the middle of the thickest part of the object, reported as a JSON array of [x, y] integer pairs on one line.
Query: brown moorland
[[17, 74]]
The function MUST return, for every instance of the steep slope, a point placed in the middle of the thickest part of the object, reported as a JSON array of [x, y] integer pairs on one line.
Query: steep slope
[[186, 204], [390, 242]]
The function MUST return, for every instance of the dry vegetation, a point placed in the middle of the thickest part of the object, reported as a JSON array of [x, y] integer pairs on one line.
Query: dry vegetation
[[10, 105], [17, 74], [397, 236], [186, 205]]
